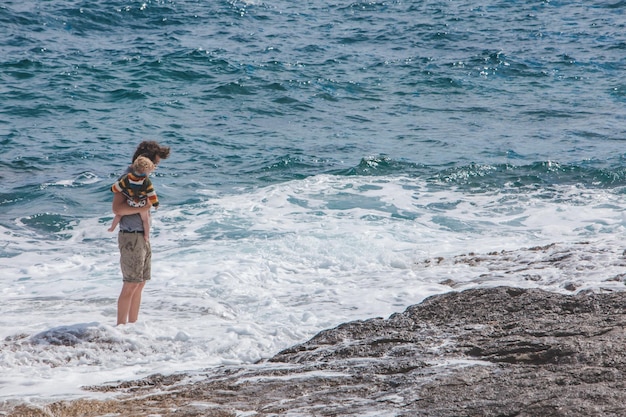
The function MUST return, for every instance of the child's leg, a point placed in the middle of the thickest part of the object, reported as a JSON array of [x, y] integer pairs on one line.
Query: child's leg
[[116, 220], [145, 219]]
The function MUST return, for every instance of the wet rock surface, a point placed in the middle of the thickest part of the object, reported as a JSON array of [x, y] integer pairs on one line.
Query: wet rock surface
[[482, 352]]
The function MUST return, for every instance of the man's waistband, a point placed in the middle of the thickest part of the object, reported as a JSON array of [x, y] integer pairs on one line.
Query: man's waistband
[[131, 231]]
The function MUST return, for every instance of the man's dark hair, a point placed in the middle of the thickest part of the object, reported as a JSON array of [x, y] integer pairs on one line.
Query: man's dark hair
[[151, 149]]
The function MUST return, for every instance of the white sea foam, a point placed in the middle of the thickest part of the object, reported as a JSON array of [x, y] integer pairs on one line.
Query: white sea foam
[[240, 277]]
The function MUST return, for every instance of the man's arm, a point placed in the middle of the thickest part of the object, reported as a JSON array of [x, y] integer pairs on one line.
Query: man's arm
[[120, 207]]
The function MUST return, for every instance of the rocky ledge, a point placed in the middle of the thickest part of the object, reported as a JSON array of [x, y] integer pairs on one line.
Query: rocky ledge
[[483, 352]]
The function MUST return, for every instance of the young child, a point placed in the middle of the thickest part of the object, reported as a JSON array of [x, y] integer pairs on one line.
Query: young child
[[137, 188]]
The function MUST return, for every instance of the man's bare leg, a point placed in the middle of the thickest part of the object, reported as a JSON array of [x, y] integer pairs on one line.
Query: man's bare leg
[[135, 303], [128, 303]]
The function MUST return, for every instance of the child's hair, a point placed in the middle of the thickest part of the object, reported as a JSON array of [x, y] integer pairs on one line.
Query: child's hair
[[143, 165]]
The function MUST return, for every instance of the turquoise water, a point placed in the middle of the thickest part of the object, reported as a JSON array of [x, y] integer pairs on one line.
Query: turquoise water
[[254, 93], [321, 154]]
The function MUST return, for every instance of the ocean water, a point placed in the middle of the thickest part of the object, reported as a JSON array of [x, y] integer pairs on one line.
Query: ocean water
[[331, 161]]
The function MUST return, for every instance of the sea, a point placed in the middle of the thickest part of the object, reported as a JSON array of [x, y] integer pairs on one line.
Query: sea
[[330, 161]]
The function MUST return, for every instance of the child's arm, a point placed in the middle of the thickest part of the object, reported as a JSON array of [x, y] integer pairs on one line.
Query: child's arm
[[151, 194]]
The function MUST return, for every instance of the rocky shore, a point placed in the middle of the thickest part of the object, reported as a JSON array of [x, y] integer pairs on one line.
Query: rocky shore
[[483, 352]]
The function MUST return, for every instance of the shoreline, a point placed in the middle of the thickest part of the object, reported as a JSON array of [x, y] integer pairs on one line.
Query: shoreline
[[494, 351]]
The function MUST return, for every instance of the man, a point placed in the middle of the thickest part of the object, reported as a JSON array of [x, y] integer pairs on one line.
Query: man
[[135, 251]]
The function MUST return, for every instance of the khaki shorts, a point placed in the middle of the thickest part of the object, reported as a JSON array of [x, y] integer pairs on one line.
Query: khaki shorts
[[135, 257]]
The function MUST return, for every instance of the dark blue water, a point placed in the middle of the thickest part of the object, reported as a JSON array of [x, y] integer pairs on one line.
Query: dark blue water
[[248, 94]]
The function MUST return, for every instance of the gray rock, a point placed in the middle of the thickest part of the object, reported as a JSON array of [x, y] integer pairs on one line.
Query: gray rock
[[486, 352], [482, 352]]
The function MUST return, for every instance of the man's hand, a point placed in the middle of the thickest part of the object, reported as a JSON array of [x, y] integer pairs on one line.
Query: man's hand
[[121, 207]]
